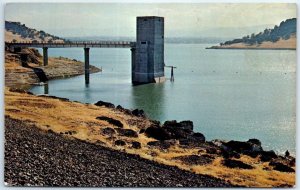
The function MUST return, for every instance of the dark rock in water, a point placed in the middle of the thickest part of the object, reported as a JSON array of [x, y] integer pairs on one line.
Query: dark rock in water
[[157, 133], [111, 121], [136, 145], [187, 125], [267, 156], [287, 153], [127, 132], [281, 167], [236, 164], [195, 159], [162, 144], [138, 113], [255, 141], [106, 104], [120, 143], [108, 131]]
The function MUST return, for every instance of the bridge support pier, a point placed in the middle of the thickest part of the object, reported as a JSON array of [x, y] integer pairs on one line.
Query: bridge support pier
[[45, 56], [87, 65], [132, 63]]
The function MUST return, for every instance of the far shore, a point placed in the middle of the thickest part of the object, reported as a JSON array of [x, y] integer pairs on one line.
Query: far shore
[[281, 44]]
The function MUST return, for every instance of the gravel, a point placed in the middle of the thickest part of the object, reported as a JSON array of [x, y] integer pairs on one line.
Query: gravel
[[37, 158]]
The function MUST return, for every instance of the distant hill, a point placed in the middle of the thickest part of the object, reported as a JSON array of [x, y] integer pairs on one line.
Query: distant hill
[[15, 31], [279, 37]]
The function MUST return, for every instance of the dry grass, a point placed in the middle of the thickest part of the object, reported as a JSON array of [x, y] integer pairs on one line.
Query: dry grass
[[62, 116]]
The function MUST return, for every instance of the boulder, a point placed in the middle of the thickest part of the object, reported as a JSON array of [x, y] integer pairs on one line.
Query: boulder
[[120, 108], [187, 125], [267, 156], [135, 145], [236, 164], [108, 131], [138, 113], [120, 143], [281, 167], [194, 140], [157, 133], [106, 104], [111, 121], [162, 144], [127, 132], [254, 141], [253, 145]]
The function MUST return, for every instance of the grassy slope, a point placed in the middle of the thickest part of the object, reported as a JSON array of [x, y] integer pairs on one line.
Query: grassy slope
[[291, 43], [62, 116]]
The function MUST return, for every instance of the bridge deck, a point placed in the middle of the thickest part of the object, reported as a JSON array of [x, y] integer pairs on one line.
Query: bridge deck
[[99, 44]]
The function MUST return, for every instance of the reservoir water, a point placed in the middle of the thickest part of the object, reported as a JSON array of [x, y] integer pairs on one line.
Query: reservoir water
[[228, 94]]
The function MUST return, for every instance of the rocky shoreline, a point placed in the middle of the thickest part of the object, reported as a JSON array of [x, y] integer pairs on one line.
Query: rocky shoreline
[[23, 77], [170, 144], [37, 158]]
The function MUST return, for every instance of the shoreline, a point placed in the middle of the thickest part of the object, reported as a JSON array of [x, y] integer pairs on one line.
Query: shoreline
[[126, 130], [248, 48], [170, 144]]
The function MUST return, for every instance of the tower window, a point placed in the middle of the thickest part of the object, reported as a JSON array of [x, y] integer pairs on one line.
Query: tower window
[[144, 42]]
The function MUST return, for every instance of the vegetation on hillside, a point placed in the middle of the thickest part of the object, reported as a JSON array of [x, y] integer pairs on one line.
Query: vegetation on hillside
[[28, 33], [284, 31]]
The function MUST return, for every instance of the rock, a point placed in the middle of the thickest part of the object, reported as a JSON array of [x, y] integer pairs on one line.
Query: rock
[[120, 143], [120, 108], [267, 156], [281, 167], [138, 113], [194, 140], [136, 145], [242, 147], [106, 104], [211, 150], [236, 164], [142, 131], [127, 132], [287, 153], [255, 141], [111, 121], [162, 144], [187, 125], [108, 131], [157, 133], [195, 159]]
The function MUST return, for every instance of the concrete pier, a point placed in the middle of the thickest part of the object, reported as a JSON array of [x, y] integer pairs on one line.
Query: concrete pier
[[132, 62], [87, 65], [45, 56]]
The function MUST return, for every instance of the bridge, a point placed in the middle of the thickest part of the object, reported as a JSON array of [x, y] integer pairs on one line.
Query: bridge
[[147, 53], [79, 44]]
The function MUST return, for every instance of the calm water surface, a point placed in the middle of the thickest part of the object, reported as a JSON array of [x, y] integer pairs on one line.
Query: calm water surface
[[228, 94]]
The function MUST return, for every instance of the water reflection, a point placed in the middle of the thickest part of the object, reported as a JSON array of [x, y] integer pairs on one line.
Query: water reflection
[[150, 98]]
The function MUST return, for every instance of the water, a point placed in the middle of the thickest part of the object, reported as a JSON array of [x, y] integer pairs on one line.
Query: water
[[229, 94]]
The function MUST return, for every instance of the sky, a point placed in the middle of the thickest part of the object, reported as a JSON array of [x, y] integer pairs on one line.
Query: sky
[[119, 19]]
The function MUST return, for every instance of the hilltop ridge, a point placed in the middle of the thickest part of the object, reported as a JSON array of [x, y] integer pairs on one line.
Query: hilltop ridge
[[16, 31], [280, 37]]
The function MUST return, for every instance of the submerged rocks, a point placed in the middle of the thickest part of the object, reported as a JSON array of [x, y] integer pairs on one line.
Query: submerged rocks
[[106, 104], [236, 164]]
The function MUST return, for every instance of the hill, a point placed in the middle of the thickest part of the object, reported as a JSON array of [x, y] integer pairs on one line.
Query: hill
[[16, 31], [280, 37]]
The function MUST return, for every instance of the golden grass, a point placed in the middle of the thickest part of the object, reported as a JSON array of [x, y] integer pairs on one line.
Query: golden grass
[[62, 116]]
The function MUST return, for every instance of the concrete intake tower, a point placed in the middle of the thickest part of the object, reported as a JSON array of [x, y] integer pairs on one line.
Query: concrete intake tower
[[148, 54]]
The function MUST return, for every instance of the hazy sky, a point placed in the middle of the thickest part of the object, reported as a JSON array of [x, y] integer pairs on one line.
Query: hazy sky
[[181, 20]]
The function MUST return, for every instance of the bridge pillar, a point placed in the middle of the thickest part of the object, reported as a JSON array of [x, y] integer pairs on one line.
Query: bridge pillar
[[45, 56], [132, 63], [149, 58], [87, 65]]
